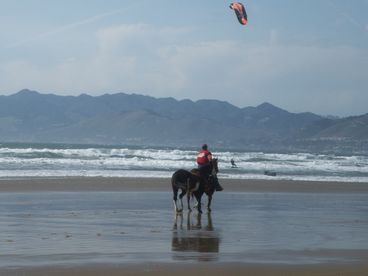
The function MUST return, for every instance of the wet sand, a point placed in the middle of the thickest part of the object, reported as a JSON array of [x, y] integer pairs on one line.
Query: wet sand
[[195, 270], [295, 218], [163, 184]]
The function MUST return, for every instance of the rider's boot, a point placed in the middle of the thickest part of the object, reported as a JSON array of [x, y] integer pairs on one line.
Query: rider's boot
[[218, 187]]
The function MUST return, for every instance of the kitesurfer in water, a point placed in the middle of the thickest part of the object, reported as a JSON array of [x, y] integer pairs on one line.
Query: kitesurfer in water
[[233, 165]]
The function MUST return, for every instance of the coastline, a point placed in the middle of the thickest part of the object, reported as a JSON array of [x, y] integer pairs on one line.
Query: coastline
[[80, 184]]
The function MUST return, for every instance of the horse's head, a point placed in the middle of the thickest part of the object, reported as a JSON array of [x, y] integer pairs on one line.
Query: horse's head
[[214, 164]]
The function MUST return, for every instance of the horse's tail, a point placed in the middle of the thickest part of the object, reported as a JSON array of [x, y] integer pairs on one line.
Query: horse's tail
[[173, 180], [176, 180]]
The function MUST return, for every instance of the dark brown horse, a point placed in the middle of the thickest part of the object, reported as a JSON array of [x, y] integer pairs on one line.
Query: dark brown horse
[[187, 182], [207, 186], [193, 184]]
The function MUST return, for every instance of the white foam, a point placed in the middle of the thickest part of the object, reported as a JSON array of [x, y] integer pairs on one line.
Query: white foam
[[142, 162]]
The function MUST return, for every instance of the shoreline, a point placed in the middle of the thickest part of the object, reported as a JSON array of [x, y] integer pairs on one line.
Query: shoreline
[[142, 184]]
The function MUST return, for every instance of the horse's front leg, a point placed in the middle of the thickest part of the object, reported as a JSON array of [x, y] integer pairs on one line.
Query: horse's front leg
[[209, 203]]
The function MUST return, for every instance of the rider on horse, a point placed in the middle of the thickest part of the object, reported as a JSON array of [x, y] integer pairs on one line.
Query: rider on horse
[[204, 158]]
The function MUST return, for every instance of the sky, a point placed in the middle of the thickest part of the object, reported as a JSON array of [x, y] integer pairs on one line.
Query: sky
[[305, 55]]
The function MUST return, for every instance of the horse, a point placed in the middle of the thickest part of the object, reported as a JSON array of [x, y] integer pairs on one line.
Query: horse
[[207, 185], [187, 182]]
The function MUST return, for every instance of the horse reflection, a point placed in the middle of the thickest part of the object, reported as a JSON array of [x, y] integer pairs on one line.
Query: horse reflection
[[195, 241]]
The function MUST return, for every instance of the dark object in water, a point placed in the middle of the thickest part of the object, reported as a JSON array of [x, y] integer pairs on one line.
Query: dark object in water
[[233, 165], [270, 173]]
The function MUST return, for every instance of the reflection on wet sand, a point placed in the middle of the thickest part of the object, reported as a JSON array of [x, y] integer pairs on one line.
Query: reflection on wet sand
[[195, 241]]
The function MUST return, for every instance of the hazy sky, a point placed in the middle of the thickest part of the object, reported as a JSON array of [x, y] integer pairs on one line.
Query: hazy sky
[[301, 55]]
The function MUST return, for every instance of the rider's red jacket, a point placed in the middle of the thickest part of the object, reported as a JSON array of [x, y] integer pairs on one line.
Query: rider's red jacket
[[203, 157]]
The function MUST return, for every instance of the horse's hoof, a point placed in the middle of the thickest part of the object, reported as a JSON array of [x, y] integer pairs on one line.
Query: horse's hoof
[[209, 210], [179, 211], [200, 211]]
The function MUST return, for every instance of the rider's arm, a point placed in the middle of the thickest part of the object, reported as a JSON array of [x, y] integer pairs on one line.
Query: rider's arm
[[209, 157]]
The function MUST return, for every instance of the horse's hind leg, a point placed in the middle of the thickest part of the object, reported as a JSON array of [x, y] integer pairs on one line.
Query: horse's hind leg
[[175, 200], [188, 202], [189, 194], [180, 224], [182, 194]]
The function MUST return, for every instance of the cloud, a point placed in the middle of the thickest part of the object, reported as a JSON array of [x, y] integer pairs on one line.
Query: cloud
[[353, 21], [163, 62], [63, 28]]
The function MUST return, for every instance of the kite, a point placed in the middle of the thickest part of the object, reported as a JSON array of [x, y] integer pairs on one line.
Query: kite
[[240, 12]]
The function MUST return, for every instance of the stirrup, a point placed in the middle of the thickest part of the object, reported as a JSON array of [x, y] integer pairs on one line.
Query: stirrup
[[219, 188]]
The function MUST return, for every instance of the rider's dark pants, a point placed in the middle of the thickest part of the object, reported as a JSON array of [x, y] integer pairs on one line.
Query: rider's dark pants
[[205, 170]]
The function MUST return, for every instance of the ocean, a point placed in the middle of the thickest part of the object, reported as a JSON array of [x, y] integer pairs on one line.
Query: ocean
[[18, 160]]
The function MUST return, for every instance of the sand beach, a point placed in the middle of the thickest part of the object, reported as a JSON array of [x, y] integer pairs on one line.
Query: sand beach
[[195, 269], [127, 226]]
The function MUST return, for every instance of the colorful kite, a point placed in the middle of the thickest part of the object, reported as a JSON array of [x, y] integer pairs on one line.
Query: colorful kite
[[240, 12]]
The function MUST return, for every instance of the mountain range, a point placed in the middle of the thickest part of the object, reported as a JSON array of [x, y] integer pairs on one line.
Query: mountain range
[[131, 119]]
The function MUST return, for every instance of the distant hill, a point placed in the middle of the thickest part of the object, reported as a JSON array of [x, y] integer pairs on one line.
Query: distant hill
[[131, 119]]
